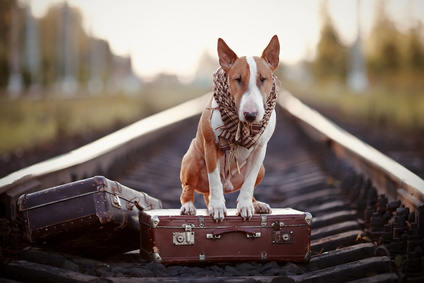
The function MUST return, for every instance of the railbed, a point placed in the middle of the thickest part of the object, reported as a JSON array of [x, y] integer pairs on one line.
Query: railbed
[[311, 165]]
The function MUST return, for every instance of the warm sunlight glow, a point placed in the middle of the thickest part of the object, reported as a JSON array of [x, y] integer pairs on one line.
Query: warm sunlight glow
[[170, 36]]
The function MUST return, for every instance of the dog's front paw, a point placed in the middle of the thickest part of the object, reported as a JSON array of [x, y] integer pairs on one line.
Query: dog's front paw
[[261, 207], [188, 209], [217, 210], [245, 209]]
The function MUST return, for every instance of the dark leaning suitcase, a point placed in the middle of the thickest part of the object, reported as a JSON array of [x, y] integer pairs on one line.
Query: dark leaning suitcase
[[168, 237], [91, 217]]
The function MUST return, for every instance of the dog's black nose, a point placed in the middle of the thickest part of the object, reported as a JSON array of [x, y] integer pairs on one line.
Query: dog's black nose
[[250, 116]]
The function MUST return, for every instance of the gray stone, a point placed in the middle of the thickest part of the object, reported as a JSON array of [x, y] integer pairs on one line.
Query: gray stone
[[244, 266], [216, 269], [174, 270], [268, 266], [273, 272], [140, 272], [230, 269], [69, 265], [292, 269]]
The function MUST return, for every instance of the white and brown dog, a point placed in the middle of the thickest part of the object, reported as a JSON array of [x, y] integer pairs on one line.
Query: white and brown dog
[[229, 148]]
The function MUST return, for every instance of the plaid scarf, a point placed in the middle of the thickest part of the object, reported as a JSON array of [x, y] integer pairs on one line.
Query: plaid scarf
[[234, 132]]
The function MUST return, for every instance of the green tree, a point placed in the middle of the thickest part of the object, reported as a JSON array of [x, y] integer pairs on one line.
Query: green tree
[[414, 50], [384, 54], [5, 7], [331, 58]]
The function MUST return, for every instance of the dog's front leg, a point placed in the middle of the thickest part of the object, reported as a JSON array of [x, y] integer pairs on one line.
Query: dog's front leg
[[216, 206], [245, 206]]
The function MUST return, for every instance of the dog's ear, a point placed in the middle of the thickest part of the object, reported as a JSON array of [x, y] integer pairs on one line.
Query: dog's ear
[[227, 57], [272, 52]]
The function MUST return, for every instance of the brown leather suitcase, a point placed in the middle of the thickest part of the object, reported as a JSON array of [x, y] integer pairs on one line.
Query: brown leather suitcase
[[91, 217], [168, 237]]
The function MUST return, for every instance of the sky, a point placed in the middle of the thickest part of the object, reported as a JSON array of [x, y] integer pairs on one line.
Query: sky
[[170, 36]]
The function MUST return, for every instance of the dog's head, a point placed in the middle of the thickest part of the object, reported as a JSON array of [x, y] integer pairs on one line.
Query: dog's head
[[250, 78]]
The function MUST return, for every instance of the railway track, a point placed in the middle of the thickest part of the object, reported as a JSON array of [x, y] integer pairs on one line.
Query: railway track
[[368, 210]]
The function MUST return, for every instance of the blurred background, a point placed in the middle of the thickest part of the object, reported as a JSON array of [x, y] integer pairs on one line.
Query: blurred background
[[72, 71]]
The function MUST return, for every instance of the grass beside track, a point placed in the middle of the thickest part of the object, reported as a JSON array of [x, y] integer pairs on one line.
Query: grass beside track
[[380, 106], [27, 122]]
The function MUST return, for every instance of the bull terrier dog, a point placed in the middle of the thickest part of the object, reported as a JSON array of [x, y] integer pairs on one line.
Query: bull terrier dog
[[235, 126]]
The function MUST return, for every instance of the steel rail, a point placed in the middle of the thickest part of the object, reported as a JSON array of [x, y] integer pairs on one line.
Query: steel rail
[[388, 176], [344, 202], [94, 157]]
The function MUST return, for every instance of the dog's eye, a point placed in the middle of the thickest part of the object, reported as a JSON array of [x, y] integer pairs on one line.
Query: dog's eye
[[262, 80], [238, 80]]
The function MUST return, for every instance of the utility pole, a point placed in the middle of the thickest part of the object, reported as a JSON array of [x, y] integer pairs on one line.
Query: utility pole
[[32, 50], [357, 79], [15, 84], [68, 62]]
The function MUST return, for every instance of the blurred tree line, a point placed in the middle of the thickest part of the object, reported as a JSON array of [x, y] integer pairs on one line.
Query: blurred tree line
[[83, 43], [389, 52], [62, 47]]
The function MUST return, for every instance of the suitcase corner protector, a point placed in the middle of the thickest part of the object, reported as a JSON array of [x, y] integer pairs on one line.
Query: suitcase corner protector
[[21, 202], [154, 221], [156, 258], [308, 218], [307, 257]]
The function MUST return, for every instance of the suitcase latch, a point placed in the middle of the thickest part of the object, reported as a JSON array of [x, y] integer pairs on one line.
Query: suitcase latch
[[279, 236], [185, 238], [277, 225], [282, 237], [116, 202]]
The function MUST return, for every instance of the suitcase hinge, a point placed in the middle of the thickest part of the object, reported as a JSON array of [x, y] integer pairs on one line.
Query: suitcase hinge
[[185, 238], [117, 188], [263, 220], [201, 221]]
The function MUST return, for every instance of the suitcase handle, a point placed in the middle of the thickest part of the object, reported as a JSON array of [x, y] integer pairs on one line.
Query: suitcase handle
[[250, 233]]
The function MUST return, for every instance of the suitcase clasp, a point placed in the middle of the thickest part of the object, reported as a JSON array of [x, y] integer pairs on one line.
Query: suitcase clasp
[[116, 202], [279, 236], [277, 225], [282, 237], [185, 238]]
